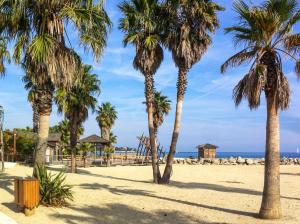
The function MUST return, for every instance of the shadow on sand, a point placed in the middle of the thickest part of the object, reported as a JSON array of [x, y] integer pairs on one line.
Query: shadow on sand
[[120, 191], [191, 185], [119, 213]]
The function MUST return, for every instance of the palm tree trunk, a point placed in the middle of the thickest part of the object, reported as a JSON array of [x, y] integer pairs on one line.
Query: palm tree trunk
[[73, 142], [43, 133], [149, 93], [35, 118], [105, 133], [44, 103], [2, 150], [270, 206], [181, 87]]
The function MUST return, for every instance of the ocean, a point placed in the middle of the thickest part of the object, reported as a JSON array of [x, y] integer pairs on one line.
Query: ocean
[[237, 154]]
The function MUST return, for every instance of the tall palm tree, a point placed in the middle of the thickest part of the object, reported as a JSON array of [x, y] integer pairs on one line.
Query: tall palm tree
[[32, 98], [265, 32], [4, 54], [106, 117], [139, 23], [75, 103], [188, 26], [38, 29]]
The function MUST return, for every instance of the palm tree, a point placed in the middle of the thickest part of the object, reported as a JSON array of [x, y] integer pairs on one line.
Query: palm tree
[[32, 98], [112, 139], [4, 54], [106, 117], [38, 30], [139, 23], [162, 107], [75, 103], [187, 29], [265, 32]]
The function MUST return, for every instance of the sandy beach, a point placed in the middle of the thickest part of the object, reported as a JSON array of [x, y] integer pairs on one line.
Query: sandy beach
[[197, 194]]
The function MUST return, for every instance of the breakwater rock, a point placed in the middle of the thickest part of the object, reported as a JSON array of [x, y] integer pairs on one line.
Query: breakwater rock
[[233, 161]]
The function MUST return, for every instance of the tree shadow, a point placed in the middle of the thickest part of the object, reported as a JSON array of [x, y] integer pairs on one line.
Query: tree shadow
[[290, 174], [190, 185], [6, 182], [119, 191], [12, 206], [120, 213]]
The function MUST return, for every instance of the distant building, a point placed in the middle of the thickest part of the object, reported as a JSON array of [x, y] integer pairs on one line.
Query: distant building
[[207, 151]]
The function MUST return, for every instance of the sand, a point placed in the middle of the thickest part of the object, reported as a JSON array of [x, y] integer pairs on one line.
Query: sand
[[197, 194]]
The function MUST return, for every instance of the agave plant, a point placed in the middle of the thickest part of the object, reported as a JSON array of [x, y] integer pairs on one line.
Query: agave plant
[[53, 190]]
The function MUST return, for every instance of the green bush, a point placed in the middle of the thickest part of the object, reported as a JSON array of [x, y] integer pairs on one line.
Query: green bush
[[53, 190]]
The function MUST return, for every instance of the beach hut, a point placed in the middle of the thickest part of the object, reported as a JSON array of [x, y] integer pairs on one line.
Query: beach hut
[[98, 142], [207, 151]]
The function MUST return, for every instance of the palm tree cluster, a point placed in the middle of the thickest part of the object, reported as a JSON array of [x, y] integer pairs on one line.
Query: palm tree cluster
[[38, 30], [182, 27]]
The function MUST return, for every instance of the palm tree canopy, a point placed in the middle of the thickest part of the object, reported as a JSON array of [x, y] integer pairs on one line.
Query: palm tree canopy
[[187, 29], [32, 88], [77, 100], [38, 29], [107, 115], [266, 33], [4, 55], [140, 25]]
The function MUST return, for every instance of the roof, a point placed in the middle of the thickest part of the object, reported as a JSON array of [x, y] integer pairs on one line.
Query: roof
[[93, 139], [207, 146], [53, 137]]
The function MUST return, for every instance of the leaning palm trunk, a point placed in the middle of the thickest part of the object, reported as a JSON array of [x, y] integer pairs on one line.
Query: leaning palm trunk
[[73, 143], [181, 87], [35, 118], [149, 99], [270, 207]]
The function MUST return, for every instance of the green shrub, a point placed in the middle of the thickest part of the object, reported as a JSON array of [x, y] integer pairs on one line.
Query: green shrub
[[53, 190]]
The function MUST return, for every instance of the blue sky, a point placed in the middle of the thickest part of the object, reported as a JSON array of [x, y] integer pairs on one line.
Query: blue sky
[[209, 114]]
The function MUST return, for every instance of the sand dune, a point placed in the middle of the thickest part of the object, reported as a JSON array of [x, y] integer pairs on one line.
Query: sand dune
[[197, 194]]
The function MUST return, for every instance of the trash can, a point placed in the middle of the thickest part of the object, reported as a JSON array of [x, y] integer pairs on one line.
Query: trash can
[[27, 194]]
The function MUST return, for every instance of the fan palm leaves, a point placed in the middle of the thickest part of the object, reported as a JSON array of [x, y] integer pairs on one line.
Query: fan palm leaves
[[265, 33], [106, 117], [187, 30], [75, 103], [4, 55], [32, 97], [141, 29]]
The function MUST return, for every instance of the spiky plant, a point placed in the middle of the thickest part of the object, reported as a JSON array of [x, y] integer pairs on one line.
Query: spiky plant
[[53, 189], [266, 34]]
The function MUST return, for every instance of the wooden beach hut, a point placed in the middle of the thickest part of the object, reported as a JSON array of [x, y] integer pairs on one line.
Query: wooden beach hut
[[98, 142], [207, 151]]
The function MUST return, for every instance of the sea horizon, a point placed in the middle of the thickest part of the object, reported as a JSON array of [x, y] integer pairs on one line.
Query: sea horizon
[[237, 154]]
